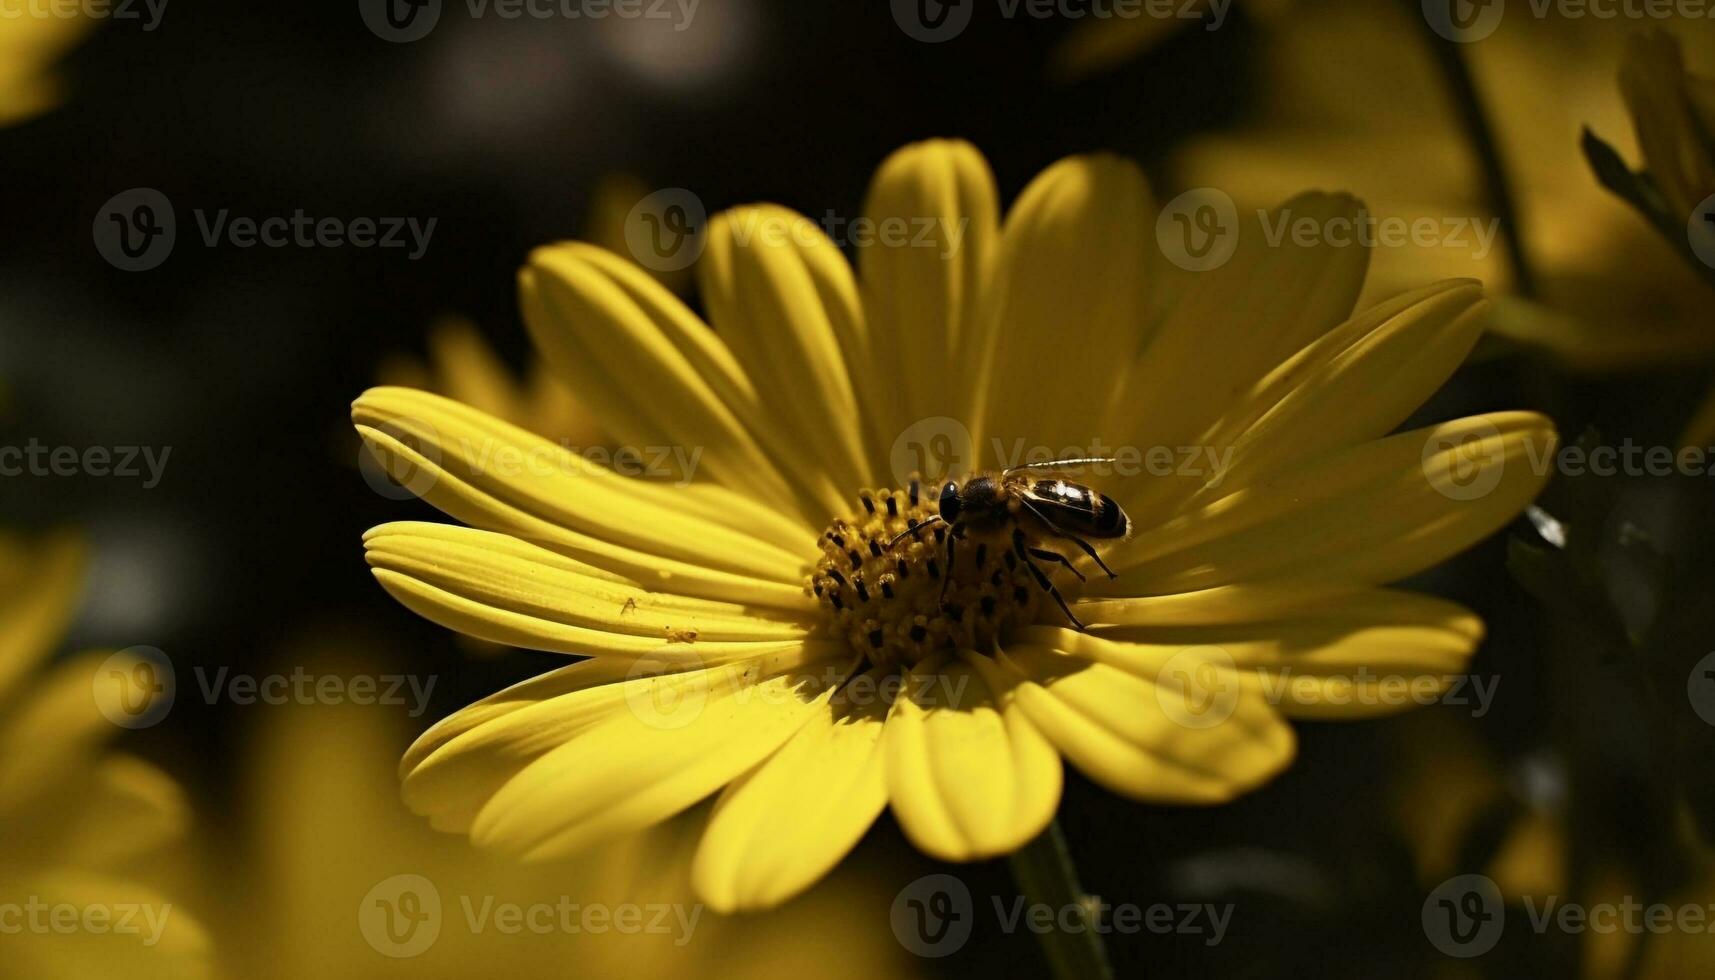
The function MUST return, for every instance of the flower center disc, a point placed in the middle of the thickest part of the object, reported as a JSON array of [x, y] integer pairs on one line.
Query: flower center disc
[[896, 605]]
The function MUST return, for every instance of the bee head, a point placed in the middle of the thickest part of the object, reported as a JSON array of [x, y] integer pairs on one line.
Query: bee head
[[950, 501]]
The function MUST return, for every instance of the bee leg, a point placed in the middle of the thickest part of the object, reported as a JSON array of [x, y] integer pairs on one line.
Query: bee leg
[[1055, 556], [1042, 580], [1048, 587], [1080, 542], [953, 535]]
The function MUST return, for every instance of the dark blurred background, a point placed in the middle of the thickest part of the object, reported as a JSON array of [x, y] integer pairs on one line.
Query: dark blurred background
[[244, 361]]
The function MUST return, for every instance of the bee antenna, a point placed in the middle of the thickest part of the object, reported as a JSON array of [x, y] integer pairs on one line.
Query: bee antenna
[[913, 529]]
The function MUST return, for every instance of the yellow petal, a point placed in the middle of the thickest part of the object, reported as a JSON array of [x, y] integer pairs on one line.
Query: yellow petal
[[1355, 383], [1367, 515], [935, 219], [470, 372], [1358, 655], [782, 296], [779, 829], [40, 584], [453, 769], [653, 372], [1674, 140], [499, 588], [161, 939], [49, 738], [637, 767], [1139, 729], [1225, 329], [968, 775], [1067, 313], [526, 471], [132, 810]]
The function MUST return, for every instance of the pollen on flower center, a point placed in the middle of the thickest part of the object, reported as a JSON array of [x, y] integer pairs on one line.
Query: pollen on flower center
[[896, 605]]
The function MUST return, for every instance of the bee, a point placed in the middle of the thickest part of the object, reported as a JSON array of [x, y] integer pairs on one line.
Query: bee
[[1050, 508]]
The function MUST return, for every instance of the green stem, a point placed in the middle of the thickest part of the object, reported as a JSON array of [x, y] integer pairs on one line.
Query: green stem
[[1450, 58], [1044, 872]]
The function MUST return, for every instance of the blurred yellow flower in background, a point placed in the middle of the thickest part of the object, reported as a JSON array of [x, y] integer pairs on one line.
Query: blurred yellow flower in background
[[1098, 44], [462, 365], [717, 667], [32, 38], [1350, 95], [346, 884], [89, 833], [1673, 111]]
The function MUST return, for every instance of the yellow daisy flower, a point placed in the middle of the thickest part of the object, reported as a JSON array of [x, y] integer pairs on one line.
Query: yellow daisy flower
[[31, 40], [1350, 92], [1674, 112], [463, 366], [84, 828], [746, 631]]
